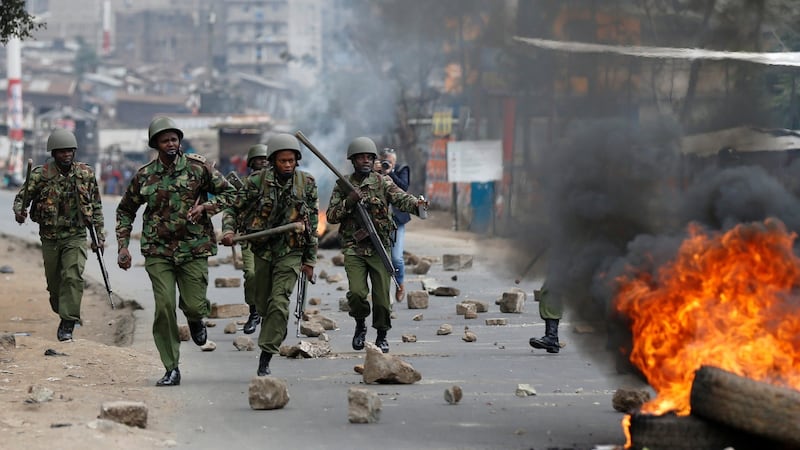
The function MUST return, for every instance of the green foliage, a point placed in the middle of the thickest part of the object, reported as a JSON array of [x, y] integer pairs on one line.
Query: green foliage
[[15, 21]]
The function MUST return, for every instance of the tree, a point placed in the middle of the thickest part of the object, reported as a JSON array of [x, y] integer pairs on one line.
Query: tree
[[16, 22]]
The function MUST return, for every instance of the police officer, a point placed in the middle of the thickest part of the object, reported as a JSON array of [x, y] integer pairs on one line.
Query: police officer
[[550, 310], [361, 261], [65, 200], [177, 236], [256, 160], [281, 194]]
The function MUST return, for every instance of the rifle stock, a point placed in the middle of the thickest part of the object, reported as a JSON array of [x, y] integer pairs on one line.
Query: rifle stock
[[363, 214], [25, 191]]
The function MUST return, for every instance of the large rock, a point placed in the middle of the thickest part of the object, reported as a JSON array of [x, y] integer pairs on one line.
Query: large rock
[[364, 406], [417, 300], [311, 328], [306, 349], [446, 291], [422, 267], [8, 342], [456, 262], [133, 414], [480, 306], [512, 302], [268, 393], [244, 343], [387, 369], [327, 323], [226, 311], [226, 282]]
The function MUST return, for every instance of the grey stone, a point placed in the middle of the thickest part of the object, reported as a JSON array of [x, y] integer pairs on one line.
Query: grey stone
[[456, 262], [512, 302], [244, 343], [417, 300], [384, 368], [133, 414], [364, 406], [268, 393]]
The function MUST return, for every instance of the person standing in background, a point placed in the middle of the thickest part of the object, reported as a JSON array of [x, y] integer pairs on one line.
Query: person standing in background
[[387, 165]]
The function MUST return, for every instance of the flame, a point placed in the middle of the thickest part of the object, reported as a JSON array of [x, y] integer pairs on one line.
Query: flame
[[626, 427], [322, 225], [727, 300]]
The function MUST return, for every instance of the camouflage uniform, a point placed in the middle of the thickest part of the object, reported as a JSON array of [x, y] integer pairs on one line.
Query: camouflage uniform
[[60, 205], [263, 203], [360, 258], [175, 250]]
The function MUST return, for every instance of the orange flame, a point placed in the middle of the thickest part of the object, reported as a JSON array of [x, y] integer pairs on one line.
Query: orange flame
[[727, 300]]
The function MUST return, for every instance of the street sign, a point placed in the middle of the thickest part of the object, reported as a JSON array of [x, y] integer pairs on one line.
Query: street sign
[[474, 161]]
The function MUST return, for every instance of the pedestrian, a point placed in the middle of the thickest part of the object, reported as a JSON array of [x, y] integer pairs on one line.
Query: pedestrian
[[401, 177], [256, 161], [177, 236], [65, 199], [361, 260], [277, 195], [550, 310]]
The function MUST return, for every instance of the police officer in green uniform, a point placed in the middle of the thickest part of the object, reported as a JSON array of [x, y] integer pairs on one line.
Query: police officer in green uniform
[[256, 160], [65, 200], [177, 236], [280, 194], [550, 310], [361, 261]]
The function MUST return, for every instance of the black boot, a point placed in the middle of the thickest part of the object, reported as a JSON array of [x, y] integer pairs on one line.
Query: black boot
[[263, 364], [252, 321], [170, 378], [65, 328], [549, 341], [381, 341], [198, 331], [360, 335]]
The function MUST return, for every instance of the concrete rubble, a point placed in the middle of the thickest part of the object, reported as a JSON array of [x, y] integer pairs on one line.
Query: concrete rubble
[[268, 393], [132, 414], [417, 300], [306, 349], [363, 406], [384, 368], [456, 262], [244, 343], [453, 394]]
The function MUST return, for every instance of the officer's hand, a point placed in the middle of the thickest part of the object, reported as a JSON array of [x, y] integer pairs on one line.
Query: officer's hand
[[124, 259], [196, 212], [308, 271], [376, 166], [21, 216], [100, 244], [227, 239], [353, 197]]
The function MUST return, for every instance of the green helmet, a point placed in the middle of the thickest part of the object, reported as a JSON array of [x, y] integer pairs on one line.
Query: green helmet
[[61, 138], [256, 151], [362, 145], [283, 141], [158, 125]]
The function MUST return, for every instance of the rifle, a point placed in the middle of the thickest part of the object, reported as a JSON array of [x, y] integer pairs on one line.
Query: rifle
[[25, 194], [297, 227], [361, 208], [234, 180], [99, 251], [302, 285]]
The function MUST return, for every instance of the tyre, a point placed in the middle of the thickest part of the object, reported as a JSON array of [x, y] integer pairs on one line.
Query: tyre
[[745, 404], [672, 432]]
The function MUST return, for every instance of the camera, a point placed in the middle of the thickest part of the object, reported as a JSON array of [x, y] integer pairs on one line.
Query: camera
[[385, 165]]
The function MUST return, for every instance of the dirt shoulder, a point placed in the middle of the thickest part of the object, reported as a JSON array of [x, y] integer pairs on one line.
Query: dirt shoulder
[[99, 366]]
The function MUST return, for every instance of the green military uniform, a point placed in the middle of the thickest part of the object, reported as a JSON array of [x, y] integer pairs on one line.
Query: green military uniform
[[360, 258], [249, 274], [550, 306], [176, 251], [550, 310], [264, 202], [61, 205]]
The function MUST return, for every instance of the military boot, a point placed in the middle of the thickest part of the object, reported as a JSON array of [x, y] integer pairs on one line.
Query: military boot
[[549, 341], [263, 364], [360, 335], [252, 321], [381, 341], [65, 328]]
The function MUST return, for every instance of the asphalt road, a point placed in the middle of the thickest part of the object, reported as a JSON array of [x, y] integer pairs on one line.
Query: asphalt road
[[571, 410]]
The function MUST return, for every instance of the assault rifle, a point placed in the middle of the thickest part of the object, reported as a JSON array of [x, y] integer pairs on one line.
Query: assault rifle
[[361, 209], [234, 180], [302, 285]]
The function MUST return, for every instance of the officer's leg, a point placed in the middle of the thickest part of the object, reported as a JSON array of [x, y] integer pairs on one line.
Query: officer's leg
[[165, 320], [550, 310], [248, 267], [285, 271], [192, 279], [52, 270], [73, 263], [381, 307], [357, 291], [263, 271]]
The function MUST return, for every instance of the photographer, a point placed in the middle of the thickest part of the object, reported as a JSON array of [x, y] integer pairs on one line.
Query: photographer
[[386, 165]]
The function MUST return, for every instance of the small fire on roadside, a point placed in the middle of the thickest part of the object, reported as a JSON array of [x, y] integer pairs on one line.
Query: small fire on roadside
[[728, 300]]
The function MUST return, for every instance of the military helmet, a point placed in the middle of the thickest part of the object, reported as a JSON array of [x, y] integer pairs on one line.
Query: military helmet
[[362, 145], [158, 125], [256, 151], [283, 141], [61, 138]]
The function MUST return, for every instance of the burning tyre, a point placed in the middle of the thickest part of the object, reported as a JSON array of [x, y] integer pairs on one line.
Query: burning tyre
[[672, 432]]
